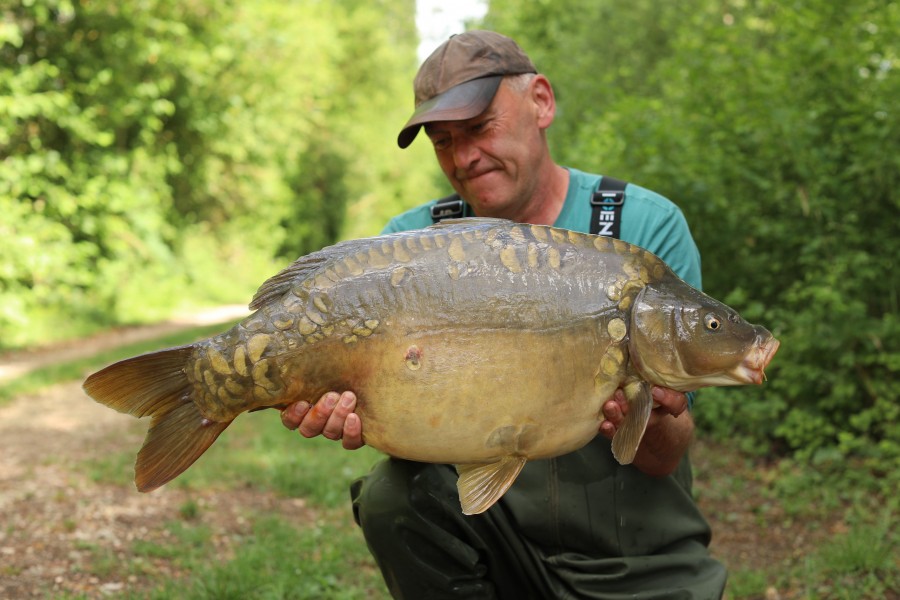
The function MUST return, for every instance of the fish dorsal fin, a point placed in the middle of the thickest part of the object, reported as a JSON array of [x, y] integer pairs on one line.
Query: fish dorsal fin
[[281, 283], [481, 485], [302, 268], [628, 436]]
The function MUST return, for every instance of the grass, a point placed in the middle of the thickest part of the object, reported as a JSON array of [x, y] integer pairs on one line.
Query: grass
[[861, 563], [280, 557], [797, 531], [278, 560]]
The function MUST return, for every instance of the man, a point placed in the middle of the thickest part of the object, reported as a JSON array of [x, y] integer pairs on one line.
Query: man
[[577, 526]]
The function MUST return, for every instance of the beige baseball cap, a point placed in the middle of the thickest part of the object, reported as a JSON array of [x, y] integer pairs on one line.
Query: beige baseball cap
[[459, 80]]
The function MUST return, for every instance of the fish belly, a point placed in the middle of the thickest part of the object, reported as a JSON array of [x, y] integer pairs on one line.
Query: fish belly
[[476, 396]]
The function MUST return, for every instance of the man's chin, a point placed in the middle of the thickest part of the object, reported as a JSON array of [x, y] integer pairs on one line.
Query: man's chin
[[485, 194]]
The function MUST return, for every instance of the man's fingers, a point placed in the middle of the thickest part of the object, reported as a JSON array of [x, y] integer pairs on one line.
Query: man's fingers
[[314, 422], [332, 417], [334, 426], [613, 411], [613, 414], [292, 416], [352, 439], [607, 429], [673, 402]]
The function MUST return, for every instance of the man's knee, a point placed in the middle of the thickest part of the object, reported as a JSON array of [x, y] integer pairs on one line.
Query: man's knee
[[381, 490], [396, 487]]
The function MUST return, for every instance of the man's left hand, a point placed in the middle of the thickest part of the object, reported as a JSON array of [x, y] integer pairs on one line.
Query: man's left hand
[[666, 439]]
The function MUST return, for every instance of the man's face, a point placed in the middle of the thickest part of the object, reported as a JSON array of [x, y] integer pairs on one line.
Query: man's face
[[492, 160]]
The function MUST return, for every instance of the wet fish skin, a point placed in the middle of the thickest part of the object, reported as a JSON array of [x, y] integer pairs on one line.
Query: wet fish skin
[[480, 342]]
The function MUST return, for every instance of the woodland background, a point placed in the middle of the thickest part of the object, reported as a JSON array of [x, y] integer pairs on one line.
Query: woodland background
[[158, 154]]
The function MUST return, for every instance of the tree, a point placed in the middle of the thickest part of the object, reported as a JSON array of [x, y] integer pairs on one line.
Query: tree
[[149, 147]]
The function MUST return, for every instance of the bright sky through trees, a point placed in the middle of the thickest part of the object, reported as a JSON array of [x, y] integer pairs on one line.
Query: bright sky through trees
[[439, 19]]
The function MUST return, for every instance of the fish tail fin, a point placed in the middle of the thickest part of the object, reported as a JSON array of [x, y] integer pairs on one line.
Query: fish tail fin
[[174, 441], [155, 385]]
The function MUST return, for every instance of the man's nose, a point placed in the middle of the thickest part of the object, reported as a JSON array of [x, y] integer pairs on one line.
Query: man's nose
[[465, 152]]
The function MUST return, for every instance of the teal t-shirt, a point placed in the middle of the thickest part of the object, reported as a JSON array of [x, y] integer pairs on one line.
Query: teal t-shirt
[[648, 220]]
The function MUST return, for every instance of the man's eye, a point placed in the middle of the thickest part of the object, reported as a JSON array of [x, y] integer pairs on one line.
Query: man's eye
[[478, 127], [440, 143]]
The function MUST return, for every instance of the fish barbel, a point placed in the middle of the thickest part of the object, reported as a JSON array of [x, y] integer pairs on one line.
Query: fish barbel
[[477, 342]]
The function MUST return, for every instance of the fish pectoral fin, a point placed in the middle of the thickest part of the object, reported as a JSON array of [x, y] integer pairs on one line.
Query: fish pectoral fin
[[481, 485], [629, 434]]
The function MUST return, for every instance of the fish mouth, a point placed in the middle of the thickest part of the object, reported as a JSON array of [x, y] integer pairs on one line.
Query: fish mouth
[[753, 368]]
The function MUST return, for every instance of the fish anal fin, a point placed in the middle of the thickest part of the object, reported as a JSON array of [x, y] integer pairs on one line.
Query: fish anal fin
[[481, 485], [629, 434], [174, 441]]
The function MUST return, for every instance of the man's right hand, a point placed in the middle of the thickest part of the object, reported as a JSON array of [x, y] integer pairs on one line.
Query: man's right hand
[[332, 416]]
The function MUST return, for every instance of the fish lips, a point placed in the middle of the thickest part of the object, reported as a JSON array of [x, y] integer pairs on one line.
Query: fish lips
[[752, 369]]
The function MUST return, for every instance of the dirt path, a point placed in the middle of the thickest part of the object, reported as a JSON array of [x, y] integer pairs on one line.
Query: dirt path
[[17, 364], [62, 532]]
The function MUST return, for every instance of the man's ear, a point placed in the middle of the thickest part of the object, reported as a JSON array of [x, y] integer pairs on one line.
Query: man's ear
[[544, 100]]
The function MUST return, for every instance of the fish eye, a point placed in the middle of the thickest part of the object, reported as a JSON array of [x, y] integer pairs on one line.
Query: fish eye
[[712, 322]]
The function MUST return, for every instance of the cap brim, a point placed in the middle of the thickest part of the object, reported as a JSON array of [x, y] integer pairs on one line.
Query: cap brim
[[460, 102]]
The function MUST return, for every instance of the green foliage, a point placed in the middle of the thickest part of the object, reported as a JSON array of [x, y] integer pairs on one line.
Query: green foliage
[[774, 127], [84, 156], [157, 153]]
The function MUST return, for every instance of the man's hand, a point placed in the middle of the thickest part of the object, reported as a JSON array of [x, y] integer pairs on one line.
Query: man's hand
[[667, 437], [332, 417], [666, 402]]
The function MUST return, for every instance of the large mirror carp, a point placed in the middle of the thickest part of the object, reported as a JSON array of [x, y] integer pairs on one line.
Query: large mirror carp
[[477, 342]]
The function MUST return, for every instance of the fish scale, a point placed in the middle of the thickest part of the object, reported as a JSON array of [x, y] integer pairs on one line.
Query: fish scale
[[476, 342]]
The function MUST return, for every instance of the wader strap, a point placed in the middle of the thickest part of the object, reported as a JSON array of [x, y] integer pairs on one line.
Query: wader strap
[[449, 207], [606, 207]]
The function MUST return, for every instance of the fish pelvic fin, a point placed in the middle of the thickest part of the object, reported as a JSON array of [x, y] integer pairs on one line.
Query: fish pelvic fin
[[629, 434], [481, 485], [155, 385]]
